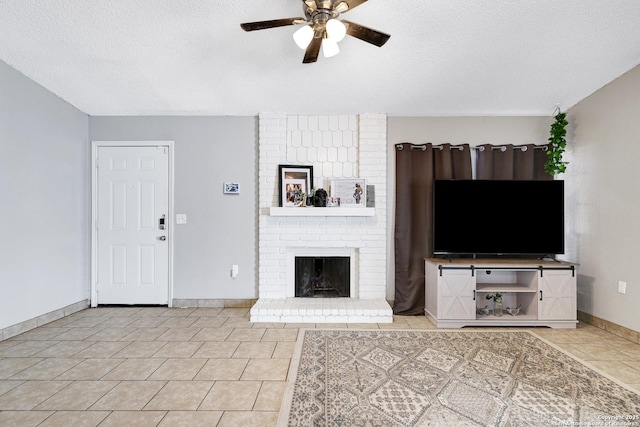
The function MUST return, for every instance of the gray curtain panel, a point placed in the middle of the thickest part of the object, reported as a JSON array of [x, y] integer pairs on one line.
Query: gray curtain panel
[[417, 166]]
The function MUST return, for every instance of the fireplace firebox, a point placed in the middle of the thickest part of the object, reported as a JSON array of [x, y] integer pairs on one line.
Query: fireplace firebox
[[322, 277]]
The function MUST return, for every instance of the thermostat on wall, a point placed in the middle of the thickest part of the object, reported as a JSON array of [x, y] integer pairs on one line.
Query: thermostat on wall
[[231, 188]]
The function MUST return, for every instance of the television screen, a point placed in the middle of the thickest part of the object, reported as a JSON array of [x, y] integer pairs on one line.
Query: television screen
[[498, 217]]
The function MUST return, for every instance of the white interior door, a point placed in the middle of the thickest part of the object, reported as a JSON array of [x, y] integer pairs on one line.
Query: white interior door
[[132, 225]]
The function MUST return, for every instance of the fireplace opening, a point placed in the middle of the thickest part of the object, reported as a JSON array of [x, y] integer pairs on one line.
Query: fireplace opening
[[322, 277]]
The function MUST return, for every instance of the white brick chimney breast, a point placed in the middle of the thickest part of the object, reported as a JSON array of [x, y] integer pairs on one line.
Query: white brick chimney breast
[[337, 147]]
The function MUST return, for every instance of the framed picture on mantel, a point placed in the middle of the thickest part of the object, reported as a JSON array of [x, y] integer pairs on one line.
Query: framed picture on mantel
[[293, 180], [351, 193]]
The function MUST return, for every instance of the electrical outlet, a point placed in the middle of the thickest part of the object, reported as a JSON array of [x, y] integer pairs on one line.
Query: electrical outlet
[[234, 270], [181, 218], [622, 287]]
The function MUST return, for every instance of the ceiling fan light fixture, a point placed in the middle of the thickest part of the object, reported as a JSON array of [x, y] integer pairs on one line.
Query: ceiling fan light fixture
[[336, 30], [330, 48], [321, 29], [303, 36]]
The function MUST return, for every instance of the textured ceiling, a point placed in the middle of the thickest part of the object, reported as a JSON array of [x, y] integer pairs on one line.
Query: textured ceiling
[[444, 58]]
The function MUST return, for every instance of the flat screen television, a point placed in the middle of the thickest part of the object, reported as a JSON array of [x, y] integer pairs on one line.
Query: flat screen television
[[498, 217]]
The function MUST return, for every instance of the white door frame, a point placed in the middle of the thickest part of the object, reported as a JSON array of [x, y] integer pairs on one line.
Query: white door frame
[[95, 145]]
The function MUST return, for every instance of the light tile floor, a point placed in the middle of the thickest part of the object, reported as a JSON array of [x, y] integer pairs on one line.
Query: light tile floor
[[193, 367]]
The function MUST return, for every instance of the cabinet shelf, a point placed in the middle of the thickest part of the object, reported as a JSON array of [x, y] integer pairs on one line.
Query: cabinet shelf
[[506, 280], [503, 287], [506, 317]]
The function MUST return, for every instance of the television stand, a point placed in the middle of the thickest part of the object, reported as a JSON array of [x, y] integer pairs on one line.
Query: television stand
[[456, 291]]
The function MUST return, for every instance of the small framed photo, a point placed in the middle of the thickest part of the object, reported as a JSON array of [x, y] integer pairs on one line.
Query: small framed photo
[[231, 188], [350, 193], [293, 180]]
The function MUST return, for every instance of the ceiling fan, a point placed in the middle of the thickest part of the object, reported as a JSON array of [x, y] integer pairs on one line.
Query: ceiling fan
[[323, 29]]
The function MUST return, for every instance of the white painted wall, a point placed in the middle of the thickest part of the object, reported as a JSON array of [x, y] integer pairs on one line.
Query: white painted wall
[[604, 175], [44, 201], [221, 229], [454, 130]]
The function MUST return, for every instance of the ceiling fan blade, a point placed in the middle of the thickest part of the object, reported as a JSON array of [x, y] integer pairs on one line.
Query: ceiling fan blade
[[311, 4], [352, 4], [313, 50], [263, 25], [366, 34]]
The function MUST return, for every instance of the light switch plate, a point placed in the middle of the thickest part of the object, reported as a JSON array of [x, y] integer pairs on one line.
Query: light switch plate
[[622, 287], [181, 218]]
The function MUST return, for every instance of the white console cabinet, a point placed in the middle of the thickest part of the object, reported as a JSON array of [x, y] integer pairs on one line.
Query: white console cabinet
[[455, 289]]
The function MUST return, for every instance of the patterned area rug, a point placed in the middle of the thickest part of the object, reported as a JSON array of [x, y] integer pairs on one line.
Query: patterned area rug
[[447, 378]]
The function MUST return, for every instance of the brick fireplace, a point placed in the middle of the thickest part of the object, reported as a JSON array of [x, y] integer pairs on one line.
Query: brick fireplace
[[337, 147]]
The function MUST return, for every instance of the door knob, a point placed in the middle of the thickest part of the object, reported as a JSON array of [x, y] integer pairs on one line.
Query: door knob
[[163, 238]]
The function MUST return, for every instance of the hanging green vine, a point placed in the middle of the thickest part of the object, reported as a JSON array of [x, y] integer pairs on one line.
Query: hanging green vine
[[557, 144]]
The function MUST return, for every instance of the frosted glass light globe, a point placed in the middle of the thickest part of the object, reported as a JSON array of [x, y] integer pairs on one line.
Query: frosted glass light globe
[[330, 48], [303, 36], [336, 30]]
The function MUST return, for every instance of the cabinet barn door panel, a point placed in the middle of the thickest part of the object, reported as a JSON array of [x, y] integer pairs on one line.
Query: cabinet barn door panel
[[557, 294], [456, 290]]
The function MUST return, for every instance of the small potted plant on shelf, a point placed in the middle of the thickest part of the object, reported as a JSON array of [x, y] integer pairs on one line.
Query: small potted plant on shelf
[[302, 199], [497, 302]]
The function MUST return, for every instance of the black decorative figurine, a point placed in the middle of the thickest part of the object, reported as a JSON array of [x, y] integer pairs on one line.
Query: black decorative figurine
[[320, 198]]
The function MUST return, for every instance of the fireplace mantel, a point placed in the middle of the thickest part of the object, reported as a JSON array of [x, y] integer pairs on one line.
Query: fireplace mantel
[[312, 211]]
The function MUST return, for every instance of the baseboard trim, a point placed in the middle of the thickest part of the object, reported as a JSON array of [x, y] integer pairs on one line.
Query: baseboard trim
[[27, 325], [614, 328], [214, 303]]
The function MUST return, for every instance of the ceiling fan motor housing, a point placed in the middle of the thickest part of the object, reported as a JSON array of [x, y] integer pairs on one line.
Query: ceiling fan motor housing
[[321, 16]]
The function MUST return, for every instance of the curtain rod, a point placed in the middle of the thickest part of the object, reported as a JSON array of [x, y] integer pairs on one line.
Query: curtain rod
[[502, 148], [423, 147]]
